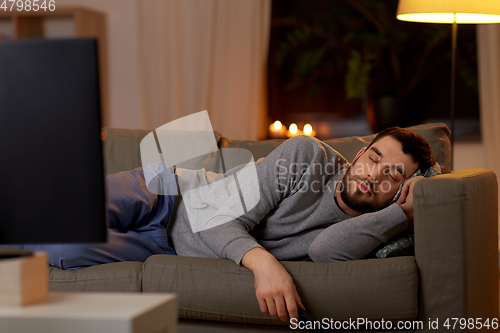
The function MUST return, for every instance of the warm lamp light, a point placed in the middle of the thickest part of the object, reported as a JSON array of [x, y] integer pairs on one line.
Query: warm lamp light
[[448, 18], [277, 125], [450, 11]]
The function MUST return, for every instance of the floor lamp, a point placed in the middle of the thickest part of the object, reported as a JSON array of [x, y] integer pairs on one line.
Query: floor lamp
[[453, 12]]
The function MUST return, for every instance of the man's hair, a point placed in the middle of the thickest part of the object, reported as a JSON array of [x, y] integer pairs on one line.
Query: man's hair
[[413, 144]]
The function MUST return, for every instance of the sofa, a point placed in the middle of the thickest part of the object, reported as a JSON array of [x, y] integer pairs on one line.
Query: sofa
[[453, 274]]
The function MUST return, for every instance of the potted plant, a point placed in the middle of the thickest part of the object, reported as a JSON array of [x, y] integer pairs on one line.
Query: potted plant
[[381, 59]]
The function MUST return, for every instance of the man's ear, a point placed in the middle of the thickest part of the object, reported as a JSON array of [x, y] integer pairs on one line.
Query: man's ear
[[359, 154]]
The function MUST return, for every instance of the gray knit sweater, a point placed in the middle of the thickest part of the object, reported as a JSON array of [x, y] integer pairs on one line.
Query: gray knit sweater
[[296, 216]]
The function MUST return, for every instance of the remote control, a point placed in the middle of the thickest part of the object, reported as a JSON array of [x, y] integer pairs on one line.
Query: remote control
[[306, 316]]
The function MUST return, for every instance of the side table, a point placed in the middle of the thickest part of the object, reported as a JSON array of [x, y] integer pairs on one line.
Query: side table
[[94, 313]]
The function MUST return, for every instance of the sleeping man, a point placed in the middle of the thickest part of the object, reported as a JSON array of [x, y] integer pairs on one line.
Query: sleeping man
[[312, 204]]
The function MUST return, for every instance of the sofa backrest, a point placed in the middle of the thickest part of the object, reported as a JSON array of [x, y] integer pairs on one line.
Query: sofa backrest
[[121, 149], [122, 146]]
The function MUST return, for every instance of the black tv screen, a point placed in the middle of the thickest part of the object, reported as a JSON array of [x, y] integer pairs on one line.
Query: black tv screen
[[51, 164]]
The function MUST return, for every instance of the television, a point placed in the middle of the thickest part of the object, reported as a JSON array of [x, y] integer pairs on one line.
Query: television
[[51, 162]]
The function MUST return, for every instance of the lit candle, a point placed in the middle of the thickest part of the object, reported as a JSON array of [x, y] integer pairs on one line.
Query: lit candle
[[308, 130], [293, 130], [277, 130]]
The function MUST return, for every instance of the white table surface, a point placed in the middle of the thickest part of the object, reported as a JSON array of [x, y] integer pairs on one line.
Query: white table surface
[[94, 312]]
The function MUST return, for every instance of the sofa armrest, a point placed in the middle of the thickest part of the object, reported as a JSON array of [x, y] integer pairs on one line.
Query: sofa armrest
[[456, 245]]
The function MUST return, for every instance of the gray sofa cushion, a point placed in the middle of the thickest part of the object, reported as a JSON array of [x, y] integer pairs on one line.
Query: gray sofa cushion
[[121, 149], [121, 276], [218, 289]]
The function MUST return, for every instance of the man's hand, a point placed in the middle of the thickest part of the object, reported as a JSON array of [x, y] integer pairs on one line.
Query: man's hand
[[405, 201], [274, 286]]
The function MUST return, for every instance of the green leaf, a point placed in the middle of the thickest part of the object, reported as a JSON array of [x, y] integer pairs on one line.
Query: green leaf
[[309, 61], [357, 76]]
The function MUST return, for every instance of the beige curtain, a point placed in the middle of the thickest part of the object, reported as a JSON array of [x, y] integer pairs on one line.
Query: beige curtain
[[205, 55], [488, 39]]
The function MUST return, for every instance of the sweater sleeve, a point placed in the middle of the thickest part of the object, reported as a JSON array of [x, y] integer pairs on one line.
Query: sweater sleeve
[[230, 237], [354, 238]]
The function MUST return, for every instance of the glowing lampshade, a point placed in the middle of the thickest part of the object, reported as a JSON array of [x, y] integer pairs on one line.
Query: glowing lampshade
[[443, 11]]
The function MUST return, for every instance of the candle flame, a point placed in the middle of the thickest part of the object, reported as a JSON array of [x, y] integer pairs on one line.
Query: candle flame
[[308, 129], [277, 125], [293, 128]]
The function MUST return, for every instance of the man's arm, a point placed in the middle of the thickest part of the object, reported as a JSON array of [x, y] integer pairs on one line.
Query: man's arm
[[356, 237], [274, 287]]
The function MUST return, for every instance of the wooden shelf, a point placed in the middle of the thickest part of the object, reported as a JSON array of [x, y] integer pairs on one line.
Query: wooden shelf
[[87, 24]]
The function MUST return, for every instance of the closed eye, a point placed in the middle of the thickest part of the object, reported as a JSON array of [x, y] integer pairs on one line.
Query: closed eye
[[390, 173], [393, 174]]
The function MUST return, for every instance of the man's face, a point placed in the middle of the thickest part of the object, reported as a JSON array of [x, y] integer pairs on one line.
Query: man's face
[[375, 175]]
